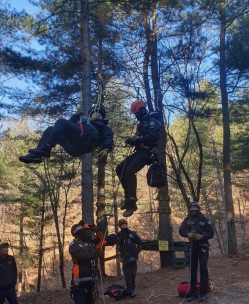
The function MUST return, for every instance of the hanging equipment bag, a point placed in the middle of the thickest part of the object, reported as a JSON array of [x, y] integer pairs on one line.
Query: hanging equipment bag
[[156, 175]]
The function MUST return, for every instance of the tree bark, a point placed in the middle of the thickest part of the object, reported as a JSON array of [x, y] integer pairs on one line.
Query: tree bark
[[41, 246], [115, 219], [87, 181], [231, 241]]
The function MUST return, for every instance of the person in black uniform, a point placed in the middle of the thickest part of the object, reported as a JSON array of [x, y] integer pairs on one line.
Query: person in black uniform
[[77, 136], [130, 245], [83, 253], [8, 275], [145, 139], [199, 230]]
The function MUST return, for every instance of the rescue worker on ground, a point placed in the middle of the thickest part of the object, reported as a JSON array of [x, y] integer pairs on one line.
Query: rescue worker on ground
[[145, 139], [8, 275], [199, 230], [77, 136], [84, 254], [130, 245]]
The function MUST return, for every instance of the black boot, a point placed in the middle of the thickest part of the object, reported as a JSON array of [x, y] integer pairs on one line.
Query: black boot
[[43, 150], [193, 297], [133, 294], [202, 298], [131, 206], [126, 202], [31, 158]]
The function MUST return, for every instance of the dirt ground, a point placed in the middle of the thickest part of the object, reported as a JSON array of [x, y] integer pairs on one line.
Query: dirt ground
[[230, 277]]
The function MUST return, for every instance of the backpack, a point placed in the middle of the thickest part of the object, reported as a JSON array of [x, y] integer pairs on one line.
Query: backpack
[[184, 289], [156, 175], [116, 291]]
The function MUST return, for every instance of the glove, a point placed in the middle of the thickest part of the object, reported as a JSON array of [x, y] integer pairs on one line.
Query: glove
[[79, 111], [98, 254], [103, 154], [198, 237], [132, 141], [93, 227], [191, 235]]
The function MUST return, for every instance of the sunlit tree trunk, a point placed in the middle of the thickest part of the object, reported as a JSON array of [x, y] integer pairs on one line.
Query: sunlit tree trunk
[[231, 241], [87, 180]]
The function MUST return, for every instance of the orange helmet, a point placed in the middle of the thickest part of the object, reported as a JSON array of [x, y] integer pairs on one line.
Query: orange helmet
[[121, 222], [137, 105]]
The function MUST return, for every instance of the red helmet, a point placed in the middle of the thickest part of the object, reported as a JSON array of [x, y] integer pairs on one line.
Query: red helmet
[[137, 105], [121, 222]]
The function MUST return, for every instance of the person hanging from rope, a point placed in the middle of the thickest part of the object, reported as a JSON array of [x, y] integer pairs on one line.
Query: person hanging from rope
[[77, 136], [199, 230], [145, 139], [130, 245], [83, 252]]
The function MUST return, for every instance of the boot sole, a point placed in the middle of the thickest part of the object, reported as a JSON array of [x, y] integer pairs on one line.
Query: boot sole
[[30, 161]]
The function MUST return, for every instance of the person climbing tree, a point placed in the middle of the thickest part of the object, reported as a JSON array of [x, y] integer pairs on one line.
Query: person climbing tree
[[145, 139], [77, 136], [130, 245], [199, 230], [83, 254]]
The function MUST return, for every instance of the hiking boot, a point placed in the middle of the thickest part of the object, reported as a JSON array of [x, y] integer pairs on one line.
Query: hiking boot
[[130, 210], [193, 297], [202, 298], [133, 294], [41, 151], [128, 200], [30, 158]]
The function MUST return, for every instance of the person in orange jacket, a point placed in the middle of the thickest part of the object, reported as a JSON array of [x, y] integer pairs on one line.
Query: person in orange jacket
[[84, 253]]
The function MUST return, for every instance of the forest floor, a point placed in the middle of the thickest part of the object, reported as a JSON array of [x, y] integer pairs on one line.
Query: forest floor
[[230, 277]]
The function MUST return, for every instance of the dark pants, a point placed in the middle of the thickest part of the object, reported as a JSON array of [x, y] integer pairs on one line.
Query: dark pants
[[130, 271], [67, 134], [9, 294], [201, 255], [83, 294], [126, 171]]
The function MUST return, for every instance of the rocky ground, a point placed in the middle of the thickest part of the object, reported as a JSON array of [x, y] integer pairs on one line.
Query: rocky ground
[[230, 277]]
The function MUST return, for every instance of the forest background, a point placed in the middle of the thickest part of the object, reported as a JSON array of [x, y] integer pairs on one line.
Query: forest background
[[186, 58]]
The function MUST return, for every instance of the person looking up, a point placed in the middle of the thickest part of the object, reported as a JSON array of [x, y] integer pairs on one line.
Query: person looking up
[[130, 245]]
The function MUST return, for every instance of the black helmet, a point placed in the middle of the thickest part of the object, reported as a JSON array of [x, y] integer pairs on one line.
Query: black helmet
[[97, 109], [194, 204]]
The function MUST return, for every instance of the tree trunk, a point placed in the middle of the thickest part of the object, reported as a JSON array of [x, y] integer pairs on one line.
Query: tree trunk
[[116, 219], [87, 181], [41, 247], [220, 186], [101, 213], [231, 241], [163, 195]]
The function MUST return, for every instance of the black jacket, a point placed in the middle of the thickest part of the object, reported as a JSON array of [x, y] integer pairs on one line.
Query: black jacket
[[101, 134], [8, 272], [148, 129], [82, 255], [130, 245], [200, 225]]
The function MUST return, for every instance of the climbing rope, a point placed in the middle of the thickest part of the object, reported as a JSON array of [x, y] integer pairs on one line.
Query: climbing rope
[[111, 214]]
